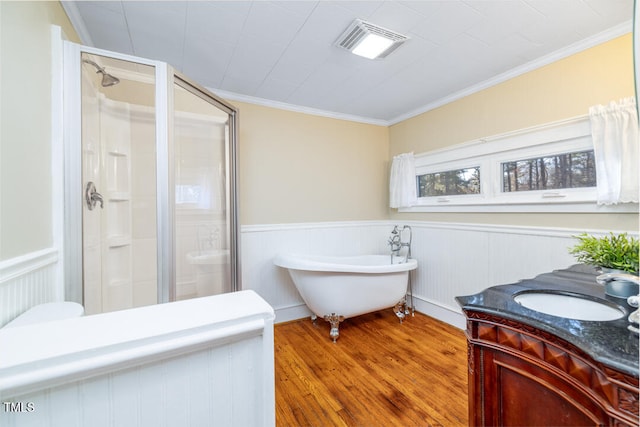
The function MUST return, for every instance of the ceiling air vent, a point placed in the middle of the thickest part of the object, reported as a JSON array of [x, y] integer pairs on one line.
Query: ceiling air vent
[[369, 40]]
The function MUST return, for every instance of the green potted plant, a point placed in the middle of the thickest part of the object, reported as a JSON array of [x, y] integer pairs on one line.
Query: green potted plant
[[610, 253]]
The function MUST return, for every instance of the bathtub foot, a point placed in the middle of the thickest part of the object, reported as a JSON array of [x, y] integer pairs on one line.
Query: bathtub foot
[[400, 309], [314, 319], [334, 320]]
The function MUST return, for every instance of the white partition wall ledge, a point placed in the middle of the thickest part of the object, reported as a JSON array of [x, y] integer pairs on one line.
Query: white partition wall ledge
[[205, 361]]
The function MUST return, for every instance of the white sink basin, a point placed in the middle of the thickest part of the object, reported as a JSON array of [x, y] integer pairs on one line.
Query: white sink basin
[[569, 306]]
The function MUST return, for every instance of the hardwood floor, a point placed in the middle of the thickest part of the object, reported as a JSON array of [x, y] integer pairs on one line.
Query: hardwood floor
[[379, 373]]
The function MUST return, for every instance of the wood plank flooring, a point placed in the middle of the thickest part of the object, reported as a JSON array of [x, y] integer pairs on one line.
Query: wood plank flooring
[[379, 373]]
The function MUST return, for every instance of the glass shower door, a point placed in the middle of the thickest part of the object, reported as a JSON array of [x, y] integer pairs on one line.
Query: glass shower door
[[201, 199]]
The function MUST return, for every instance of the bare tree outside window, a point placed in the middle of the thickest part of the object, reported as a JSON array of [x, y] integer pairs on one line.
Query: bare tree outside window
[[450, 183], [568, 170]]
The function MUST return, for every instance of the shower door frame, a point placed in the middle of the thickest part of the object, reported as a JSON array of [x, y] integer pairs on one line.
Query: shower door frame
[[165, 79]]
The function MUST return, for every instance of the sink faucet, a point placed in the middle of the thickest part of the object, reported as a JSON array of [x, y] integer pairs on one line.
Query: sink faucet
[[608, 277], [634, 318], [633, 301]]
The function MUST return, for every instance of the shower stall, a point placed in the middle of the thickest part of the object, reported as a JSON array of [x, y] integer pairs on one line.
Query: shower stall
[[150, 184]]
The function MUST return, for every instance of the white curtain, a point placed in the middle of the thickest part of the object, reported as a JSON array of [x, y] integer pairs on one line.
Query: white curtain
[[402, 182], [614, 129]]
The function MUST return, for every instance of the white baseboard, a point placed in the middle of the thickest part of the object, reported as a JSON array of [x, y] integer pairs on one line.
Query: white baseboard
[[295, 312], [429, 308], [440, 312]]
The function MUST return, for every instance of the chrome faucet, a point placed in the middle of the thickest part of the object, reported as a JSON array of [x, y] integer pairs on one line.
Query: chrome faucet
[[608, 277], [92, 197], [635, 316], [396, 243], [407, 244], [633, 301]]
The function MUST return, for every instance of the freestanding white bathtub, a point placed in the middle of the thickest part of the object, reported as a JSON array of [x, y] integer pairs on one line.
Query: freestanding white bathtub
[[336, 288]]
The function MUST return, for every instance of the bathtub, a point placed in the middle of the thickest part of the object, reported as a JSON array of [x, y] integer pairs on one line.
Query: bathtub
[[336, 288]]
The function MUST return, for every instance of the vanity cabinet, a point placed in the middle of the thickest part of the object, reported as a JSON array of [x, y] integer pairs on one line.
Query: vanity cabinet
[[523, 376]]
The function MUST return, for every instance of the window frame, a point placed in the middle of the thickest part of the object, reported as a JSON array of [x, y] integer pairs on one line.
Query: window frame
[[566, 136]]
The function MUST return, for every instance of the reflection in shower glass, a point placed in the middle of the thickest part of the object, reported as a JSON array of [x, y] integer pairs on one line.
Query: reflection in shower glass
[[202, 226], [119, 160]]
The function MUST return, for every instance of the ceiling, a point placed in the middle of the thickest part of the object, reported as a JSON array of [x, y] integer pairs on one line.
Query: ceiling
[[282, 53]]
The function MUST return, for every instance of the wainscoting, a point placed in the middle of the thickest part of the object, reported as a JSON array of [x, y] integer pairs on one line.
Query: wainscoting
[[28, 280], [453, 259]]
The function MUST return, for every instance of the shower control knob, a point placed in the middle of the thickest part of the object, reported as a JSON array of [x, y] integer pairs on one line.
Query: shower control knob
[[92, 196]]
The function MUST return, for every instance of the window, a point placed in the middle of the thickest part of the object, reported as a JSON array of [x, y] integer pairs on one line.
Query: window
[[567, 170], [549, 168], [451, 182]]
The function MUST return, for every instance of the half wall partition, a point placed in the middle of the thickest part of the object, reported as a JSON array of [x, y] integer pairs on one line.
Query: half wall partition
[[150, 184]]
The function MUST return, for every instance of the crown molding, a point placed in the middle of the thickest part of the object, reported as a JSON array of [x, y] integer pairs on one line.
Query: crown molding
[[71, 9], [233, 96]]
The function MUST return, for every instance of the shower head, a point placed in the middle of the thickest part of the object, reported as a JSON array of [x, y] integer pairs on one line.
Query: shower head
[[107, 79]]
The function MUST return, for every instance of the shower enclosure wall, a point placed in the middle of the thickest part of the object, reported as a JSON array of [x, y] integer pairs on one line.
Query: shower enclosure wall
[[150, 184]]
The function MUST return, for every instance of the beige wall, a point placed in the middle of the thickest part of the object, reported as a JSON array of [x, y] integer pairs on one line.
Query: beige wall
[[25, 124], [294, 167], [563, 89], [297, 167]]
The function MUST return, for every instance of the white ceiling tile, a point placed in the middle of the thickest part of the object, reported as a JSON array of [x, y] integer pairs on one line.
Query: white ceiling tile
[[359, 9], [585, 17], [284, 50], [326, 23], [300, 7], [253, 58], [215, 21], [502, 19], [157, 32], [450, 20], [396, 17], [292, 70], [389, 98], [276, 89], [206, 62], [518, 46], [622, 11], [272, 22], [426, 8], [245, 85], [550, 35], [107, 24]]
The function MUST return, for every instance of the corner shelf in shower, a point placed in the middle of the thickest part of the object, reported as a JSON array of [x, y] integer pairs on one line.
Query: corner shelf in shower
[[118, 241], [117, 153], [118, 171]]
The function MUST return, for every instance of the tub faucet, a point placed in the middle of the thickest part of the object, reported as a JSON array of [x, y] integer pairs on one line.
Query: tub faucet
[[407, 244], [395, 242], [633, 301]]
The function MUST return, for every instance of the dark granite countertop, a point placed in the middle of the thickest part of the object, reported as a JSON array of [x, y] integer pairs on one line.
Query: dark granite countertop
[[607, 342]]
